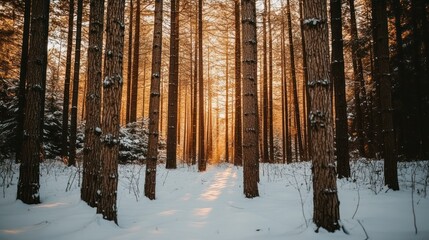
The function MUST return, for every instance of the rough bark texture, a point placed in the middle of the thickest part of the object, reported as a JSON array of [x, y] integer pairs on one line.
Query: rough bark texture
[[154, 102], [129, 65], [76, 72], [383, 79], [201, 146], [337, 74], [92, 149], [173, 85], [31, 149], [66, 100], [250, 100], [325, 200], [238, 151], [112, 89], [136, 58], [22, 75], [294, 85], [265, 153]]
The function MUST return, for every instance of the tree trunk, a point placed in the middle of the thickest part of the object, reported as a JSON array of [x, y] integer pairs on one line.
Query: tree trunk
[[92, 149], [265, 119], [135, 73], [284, 86], [294, 86], [112, 89], [383, 80], [201, 147], [227, 101], [250, 100], [173, 87], [326, 213], [129, 65], [75, 96], [22, 83], [238, 148], [31, 149], [338, 78], [152, 154], [270, 86], [194, 96], [66, 100]]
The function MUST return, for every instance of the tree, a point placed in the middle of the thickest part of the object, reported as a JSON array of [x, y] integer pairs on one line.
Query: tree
[[201, 146], [129, 65], [112, 88], [265, 119], [31, 149], [294, 84], [238, 151], [152, 155], [135, 73], [326, 212], [270, 85], [173, 87], [66, 101], [91, 152], [384, 89], [250, 100], [73, 122], [338, 78], [22, 75]]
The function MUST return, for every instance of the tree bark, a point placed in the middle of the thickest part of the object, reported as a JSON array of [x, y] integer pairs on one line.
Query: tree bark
[[383, 80], [136, 61], [270, 85], [326, 212], [31, 149], [66, 100], [338, 78], [250, 100], [152, 155], [265, 119], [238, 151], [92, 149], [75, 96], [129, 65], [112, 89], [201, 146], [22, 76]]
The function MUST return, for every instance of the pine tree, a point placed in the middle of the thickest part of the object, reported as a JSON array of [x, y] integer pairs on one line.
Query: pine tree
[[238, 151]]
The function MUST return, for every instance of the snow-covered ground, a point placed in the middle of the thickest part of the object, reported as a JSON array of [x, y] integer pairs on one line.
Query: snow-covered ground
[[210, 205]]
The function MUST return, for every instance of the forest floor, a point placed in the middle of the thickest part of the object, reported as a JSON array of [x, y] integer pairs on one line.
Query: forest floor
[[211, 205]]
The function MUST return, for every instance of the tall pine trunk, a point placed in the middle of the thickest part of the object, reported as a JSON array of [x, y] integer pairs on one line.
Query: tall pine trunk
[[92, 149], [31, 148], [22, 76], [75, 96], [383, 81], [173, 84], [326, 213], [201, 146], [265, 153], [129, 65], [66, 100], [238, 148], [135, 62], [112, 89], [270, 85], [338, 78], [250, 100]]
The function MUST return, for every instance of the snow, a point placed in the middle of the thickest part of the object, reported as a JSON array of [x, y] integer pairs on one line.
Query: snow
[[211, 205]]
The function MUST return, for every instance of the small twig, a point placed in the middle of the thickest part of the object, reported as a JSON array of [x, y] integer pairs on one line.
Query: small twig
[[358, 203], [413, 179], [165, 179], [364, 230]]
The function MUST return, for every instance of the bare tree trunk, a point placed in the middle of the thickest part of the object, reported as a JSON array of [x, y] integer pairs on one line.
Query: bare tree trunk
[[173, 88], [152, 156], [135, 63], [66, 100], [75, 96], [129, 65], [22, 83], [112, 89], [294, 86], [250, 100], [338, 78], [31, 148], [284, 86], [227, 101], [194, 95], [270, 85], [326, 213], [265, 119], [201, 146], [238, 148], [383, 79], [92, 149]]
